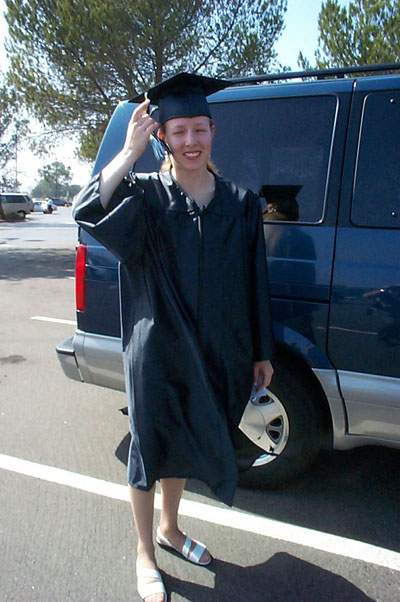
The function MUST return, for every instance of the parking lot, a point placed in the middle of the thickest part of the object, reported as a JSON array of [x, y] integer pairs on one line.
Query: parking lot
[[66, 527]]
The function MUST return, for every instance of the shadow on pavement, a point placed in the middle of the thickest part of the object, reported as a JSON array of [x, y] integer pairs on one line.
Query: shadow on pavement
[[352, 494], [283, 578], [20, 264]]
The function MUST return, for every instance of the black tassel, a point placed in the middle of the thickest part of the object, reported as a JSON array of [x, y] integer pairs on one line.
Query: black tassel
[[158, 147]]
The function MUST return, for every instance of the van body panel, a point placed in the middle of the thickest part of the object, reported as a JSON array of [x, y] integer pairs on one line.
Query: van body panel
[[301, 327], [114, 136], [300, 260], [373, 404], [365, 306], [334, 272], [102, 313], [364, 323]]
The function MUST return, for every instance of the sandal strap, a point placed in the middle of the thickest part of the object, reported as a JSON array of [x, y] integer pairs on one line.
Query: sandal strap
[[148, 573], [153, 587], [149, 589], [163, 540], [197, 552], [192, 555]]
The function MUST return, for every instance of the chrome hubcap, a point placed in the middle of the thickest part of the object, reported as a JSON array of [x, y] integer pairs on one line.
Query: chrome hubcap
[[266, 423]]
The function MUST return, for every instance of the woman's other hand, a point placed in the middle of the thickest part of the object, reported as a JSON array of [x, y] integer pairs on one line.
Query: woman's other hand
[[262, 374]]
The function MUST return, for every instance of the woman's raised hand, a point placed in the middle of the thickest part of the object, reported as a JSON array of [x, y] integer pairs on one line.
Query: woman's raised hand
[[139, 130], [140, 127]]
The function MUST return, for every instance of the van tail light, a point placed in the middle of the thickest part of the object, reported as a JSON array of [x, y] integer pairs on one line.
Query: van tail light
[[80, 277]]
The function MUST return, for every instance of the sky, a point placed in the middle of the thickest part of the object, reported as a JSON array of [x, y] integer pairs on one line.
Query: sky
[[300, 33]]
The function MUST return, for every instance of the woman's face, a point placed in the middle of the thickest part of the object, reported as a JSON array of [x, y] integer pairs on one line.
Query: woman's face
[[189, 139]]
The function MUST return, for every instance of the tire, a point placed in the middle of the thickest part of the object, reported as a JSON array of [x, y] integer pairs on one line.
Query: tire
[[21, 214], [287, 425]]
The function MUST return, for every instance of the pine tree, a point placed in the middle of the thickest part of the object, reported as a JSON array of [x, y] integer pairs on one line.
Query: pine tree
[[365, 32], [73, 60]]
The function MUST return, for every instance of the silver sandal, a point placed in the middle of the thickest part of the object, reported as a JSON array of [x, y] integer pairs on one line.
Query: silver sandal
[[152, 588], [193, 555]]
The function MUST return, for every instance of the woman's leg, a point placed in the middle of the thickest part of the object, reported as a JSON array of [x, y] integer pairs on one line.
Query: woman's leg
[[142, 504], [171, 493]]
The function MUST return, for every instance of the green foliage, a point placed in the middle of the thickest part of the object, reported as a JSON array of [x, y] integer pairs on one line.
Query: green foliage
[[73, 189], [43, 190], [366, 32], [47, 189], [304, 63], [55, 181], [73, 60], [7, 115], [6, 118], [56, 171], [12, 128]]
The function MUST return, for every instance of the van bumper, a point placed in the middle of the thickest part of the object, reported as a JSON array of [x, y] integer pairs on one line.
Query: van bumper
[[93, 358], [67, 358]]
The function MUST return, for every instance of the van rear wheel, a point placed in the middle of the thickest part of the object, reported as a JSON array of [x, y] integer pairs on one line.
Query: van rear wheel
[[283, 429]]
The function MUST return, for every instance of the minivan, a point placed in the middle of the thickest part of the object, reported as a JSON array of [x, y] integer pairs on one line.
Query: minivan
[[16, 203], [322, 150]]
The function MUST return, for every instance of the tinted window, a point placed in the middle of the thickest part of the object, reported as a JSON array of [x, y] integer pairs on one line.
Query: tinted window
[[376, 195], [13, 198], [279, 148]]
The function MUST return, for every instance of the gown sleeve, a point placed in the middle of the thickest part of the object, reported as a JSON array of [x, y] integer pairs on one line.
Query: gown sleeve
[[259, 293], [121, 226]]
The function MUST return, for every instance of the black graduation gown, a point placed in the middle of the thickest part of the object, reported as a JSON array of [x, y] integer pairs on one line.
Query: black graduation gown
[[195, 316]]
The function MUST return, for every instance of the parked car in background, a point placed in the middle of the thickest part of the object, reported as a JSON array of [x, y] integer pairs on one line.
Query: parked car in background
[[16, 203], [323, 153], [45, 206], [59, 202], [37, 206]]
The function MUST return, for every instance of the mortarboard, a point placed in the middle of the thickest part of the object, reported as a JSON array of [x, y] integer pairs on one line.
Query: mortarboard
[[183, 95]]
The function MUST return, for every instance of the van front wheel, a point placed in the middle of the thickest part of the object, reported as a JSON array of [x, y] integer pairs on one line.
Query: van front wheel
[[283, 430], [21, 214]]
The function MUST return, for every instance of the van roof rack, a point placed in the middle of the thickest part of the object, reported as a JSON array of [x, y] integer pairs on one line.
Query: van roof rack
[[338, 72]]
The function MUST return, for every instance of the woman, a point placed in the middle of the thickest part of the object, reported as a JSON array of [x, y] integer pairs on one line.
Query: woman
[[194, 310]]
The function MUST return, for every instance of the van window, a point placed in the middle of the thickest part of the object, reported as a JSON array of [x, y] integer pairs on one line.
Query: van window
[[280, 148], [8, 198], [13, 198], [376, 191]]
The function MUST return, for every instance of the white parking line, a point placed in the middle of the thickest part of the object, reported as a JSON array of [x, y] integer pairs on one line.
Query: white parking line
[[55, 320], [250, 523]]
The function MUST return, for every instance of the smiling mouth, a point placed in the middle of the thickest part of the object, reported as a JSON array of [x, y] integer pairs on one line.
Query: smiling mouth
[[192, 155]]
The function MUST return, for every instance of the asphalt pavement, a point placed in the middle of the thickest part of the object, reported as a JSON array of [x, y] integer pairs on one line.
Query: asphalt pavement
[[66, 527]]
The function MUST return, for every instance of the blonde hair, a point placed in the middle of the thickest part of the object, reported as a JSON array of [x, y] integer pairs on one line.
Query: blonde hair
[[166, 165]]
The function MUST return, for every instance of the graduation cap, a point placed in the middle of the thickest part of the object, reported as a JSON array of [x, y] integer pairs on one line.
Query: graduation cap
[[183, 95]]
